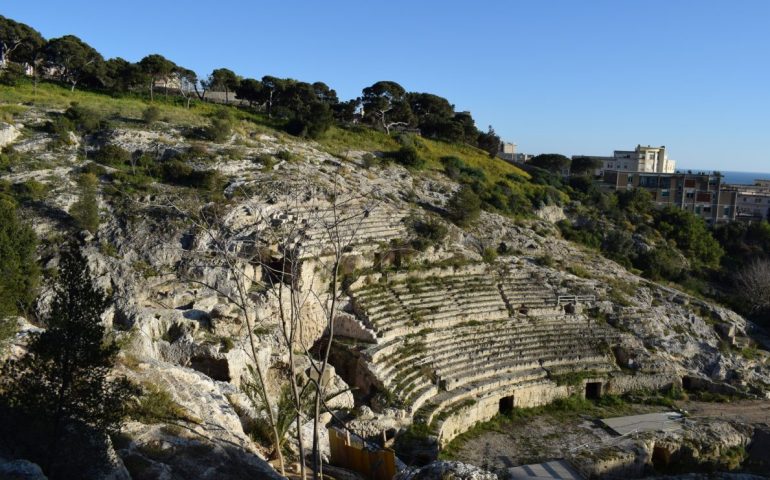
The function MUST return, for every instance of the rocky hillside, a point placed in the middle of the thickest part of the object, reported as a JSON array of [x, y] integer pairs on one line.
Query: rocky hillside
[[204, 246]]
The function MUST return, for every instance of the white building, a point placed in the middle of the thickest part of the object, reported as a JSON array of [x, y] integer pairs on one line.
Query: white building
[[642, 159], [507, 151]]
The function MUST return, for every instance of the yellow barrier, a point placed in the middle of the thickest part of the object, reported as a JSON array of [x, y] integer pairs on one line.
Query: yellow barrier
[[351, 453]]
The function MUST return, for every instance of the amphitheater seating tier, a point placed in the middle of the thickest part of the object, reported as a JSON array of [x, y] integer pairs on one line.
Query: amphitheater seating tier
[[454, 336]]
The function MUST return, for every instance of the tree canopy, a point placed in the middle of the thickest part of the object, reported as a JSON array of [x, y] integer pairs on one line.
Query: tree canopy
[[156, 67], [19, 272], [59, 391], [223, 80], [585, 165], [553, 162], [72, 59], [18, 42]]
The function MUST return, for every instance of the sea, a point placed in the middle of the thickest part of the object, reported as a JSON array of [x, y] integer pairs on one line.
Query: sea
[[735, 178]]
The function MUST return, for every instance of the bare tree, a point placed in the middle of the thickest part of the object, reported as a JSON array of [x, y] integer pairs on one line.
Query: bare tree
[[272, 254], [753, 285]]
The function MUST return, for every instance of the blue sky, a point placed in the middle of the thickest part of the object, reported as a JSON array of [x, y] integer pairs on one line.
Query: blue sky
[[562, 76]]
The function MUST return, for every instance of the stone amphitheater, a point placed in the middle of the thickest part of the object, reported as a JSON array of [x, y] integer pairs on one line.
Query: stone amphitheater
[[458, 345], [439, 339]]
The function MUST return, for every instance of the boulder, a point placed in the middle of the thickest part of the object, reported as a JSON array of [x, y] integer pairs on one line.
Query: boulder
[[21, 469], [444, 470], [8, 133]]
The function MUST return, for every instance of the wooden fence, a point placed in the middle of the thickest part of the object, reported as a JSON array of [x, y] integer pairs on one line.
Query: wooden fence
[[352, 453]]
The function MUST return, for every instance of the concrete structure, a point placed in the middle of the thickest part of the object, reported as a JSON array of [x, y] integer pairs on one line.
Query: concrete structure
[[649, 422], [753, 201], [456, 346], [507, 151], [700, 193], [753, 205], [552, 470], [642, 159]]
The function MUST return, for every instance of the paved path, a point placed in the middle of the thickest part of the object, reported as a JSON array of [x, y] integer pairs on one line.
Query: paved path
[[648, 422], [552, 470]]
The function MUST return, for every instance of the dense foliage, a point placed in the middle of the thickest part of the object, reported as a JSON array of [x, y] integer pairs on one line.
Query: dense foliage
[[57, 400], [305, 109], [18, 267]]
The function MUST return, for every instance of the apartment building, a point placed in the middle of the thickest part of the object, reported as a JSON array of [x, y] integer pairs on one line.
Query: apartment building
[[700, 193], [642, 159]]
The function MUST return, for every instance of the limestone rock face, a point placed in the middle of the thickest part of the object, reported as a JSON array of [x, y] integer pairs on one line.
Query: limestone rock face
[[8, 133], [21, 470], [446, 471], [551, 213], [161, 452]]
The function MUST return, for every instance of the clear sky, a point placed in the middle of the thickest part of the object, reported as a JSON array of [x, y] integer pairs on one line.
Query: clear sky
[[566, 76]]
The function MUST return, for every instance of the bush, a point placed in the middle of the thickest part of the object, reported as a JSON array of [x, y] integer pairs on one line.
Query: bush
[[30, 191], [8, 158], [180, 173], [84, 120], [409, 157], [489, 255], [112, 155], [156, 405], [267, 161], [221, 127], [85, 211], [312, 123], [286, 156], [662, 262], [429, 232], [369, 160], [151, 114], [19, 280], [464, 207]]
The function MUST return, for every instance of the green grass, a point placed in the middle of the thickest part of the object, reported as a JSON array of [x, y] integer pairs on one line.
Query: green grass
[[561, 409], [50, 95]]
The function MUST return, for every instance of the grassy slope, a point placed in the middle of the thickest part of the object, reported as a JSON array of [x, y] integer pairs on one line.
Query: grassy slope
[[336, 141]]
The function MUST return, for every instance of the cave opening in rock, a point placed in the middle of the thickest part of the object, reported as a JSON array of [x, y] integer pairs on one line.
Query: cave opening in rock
[[593, 390], [506, 405], [214, 368], [661, 458]]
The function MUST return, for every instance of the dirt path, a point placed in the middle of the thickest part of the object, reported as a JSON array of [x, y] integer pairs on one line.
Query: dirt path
[[746, 411]]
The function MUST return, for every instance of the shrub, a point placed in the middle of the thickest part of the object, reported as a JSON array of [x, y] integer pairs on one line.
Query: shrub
[[221, 127], [464, 207], [30, 191], [151, 114], [83, 119], [85, 210], [409, 157], [429, 232], [94, 169], [369, 160], [19, 280], [180, 173], [267, 161], [8, 158], [156, 405], [489, 255], [312, 123], [285, 155], [112, 155]]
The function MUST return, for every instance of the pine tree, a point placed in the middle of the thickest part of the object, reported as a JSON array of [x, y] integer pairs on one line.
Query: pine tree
[[85, 210], [59, 393]]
